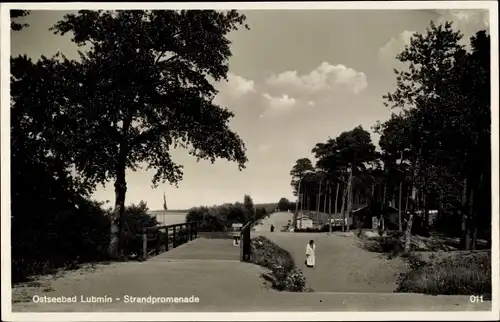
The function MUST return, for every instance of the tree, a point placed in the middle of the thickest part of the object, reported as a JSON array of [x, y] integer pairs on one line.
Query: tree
[[17, 14], [342, 160], [299, 172], [53, 222], [396, 146], [355, 149], [142, 88], [260, 213], [249, 207], [446, 100], [284, 204], [301, 168]]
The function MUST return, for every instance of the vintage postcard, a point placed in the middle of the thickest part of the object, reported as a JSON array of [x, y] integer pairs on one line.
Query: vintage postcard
[[250, 161]]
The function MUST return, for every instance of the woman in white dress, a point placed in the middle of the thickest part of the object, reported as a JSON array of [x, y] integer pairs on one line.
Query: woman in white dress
[[311, 254]]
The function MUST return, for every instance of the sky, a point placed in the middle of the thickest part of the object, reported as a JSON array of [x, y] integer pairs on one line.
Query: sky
[[295, 78]]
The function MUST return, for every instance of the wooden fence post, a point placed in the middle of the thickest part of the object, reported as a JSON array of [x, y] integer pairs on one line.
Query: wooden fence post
[[166, 238], [174, 238]]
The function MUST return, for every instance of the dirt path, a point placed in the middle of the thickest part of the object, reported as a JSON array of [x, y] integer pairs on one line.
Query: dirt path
[[278, 220], [341, 266]]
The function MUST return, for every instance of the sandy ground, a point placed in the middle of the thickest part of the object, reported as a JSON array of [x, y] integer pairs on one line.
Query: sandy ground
[[346, 279], [341, 266]]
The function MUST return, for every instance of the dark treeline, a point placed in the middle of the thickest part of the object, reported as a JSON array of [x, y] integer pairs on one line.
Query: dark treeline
[[140, 77], [434, 151], [221, 217]]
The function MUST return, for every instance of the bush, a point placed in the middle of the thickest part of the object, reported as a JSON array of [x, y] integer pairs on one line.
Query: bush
[[322, 229], [72, 236], [464, 274], [220, 218], [209, 218], [261, 213], [294, 281], [63, 239], [285, 275]]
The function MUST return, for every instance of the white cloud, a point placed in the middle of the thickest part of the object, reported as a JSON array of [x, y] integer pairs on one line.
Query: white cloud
[[324, 77], [395, 45], [240, 85], [283, 102], [236, 86], [465, 19]]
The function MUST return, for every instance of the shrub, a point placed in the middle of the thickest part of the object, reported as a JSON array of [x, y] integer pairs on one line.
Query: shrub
[[463, 274], [261, 213], [294, 281], [285, 275], [77, 234], [219, 218], [322, 229], [208, 218]]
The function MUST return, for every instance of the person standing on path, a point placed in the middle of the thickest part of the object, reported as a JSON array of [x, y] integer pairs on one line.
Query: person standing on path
[[311, 254]]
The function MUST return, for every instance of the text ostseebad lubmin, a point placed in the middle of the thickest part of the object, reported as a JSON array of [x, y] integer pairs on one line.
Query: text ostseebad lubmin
[[108, 299]]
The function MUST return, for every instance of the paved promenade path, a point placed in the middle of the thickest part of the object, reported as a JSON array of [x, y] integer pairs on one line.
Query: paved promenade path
[[345, 279]]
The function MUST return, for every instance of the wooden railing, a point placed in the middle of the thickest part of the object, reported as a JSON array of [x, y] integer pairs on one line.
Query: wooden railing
[[245, 242], [163, 238]]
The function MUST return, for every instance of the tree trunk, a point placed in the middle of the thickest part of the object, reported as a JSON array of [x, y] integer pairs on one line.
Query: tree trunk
[[330, 209], [349, 199], [382, 207], [407, 203], [424, 206], [408, 233], [304, 206], [299, 201], [337, 198], [326, 196], [471, 222], [318, 202], [414, 192], [342, 215], [474, 211], [116, 228], [465, 236], [440, 209], [400, 223]]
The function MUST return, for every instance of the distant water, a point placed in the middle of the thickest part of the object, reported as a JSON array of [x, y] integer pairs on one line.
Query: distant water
[[168, 217]]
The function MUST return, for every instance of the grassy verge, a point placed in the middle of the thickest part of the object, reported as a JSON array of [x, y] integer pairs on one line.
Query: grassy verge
[[456, 273], [322, 229], [435, 266], [391, 243], [284, 276]]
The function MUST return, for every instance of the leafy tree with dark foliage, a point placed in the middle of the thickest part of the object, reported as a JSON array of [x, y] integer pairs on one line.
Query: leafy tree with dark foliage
[[435, 150], [140, 89], [249, 207], [446, 97], [53, 223], [16, 26], [284, 204]]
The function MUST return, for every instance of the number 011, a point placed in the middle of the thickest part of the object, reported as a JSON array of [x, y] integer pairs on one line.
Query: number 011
[[476, 299]]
